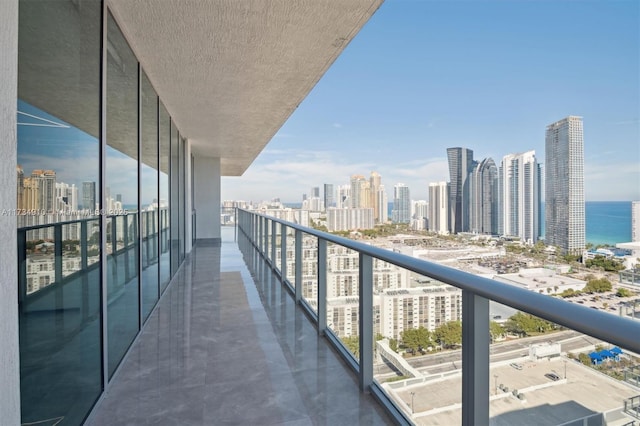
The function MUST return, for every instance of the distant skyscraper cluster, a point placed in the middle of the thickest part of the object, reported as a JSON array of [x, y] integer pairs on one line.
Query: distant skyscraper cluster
[[360, 204], [505, 199], [484, 198]]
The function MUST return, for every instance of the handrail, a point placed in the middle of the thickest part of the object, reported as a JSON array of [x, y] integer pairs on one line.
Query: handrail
[[610, 328], [86, 219]]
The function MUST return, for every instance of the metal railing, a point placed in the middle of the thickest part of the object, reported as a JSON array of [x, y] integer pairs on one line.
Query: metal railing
[[117, 236], [260, 233]]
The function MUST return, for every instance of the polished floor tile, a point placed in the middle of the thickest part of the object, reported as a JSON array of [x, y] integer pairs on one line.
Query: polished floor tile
[[223, 348]]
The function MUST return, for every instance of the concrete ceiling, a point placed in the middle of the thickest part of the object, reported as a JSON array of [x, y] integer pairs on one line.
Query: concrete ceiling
[[230, 72]]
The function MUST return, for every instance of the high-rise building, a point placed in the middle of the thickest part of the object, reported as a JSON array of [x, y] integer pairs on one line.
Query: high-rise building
[[520, 196], [88, 195], [374, 190], [635, 221], [564, 185], [315, 191], [360, 191], [66, 197], [329, 196], [460, 166], [344, 196], [383, 205], [31, 194], [439, 207], [483, 198], [419, 214], [401, 204], [46, 182]]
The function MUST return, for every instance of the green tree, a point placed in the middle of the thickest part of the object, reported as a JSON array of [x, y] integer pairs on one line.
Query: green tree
[[527, 324], [608, 264], [495, 330], [623, 292], [416, 339], [449, 334], [393, 344], [570, 293], [584, 358], [598, 285], [352, 343]]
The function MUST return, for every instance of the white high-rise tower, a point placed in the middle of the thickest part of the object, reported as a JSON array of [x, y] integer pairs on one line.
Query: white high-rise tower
[[564, 185], [520, 196]]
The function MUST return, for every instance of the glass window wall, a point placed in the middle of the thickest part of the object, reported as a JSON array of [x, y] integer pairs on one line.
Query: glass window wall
[[58, 161], [165, 152], [121, 196], [175, 197], [149, 195]]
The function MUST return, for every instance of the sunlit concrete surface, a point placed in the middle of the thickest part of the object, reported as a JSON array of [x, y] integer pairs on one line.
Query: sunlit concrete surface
[[583, 393]]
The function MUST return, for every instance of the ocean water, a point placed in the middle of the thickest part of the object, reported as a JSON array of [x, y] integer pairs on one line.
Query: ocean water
[[608, 222]]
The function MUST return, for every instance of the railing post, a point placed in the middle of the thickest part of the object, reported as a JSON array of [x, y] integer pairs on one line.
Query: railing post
[[365, 287], [298, 259], [475, 359], [322, 285], [83, 245], [57, 239], [255, 228], [273, 244], [265, 235], [283, 252], [22, 265], [259, 239]]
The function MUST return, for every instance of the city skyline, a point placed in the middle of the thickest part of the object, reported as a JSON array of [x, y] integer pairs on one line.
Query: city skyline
[[428, 87]]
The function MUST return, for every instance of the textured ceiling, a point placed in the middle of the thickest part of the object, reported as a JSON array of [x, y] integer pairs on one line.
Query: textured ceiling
[[231, 72]]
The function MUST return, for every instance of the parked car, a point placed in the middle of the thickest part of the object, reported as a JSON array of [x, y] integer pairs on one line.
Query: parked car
[[516, 365], [552, 376]]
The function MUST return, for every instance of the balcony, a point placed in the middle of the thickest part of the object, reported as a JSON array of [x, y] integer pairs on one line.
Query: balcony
[[253, 331], [227, 346]]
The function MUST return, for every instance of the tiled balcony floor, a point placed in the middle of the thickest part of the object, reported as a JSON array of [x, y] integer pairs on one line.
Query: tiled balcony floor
[[223, 349]]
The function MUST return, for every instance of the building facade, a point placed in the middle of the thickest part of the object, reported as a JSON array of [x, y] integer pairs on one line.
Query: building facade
[[401, 204], [519, 182], [564, 185], [349, 219], [460, 166], [483, 198], [108, 95], [439, 208]]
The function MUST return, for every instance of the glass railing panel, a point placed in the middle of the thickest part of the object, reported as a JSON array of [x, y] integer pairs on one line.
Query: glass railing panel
[[343, 295], [560, 375], [278, 246], [267, 238], [291, 256], [309, 289], [417, 326], [72, 248], [59, 315]]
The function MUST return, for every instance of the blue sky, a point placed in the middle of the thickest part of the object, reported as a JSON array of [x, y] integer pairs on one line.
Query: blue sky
[[422, 76]]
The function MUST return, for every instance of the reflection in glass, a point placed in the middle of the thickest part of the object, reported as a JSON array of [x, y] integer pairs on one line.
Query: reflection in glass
[[175, 190], [121, 188], [149, 195], [164, 138], [181, 197], [58, 162]]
